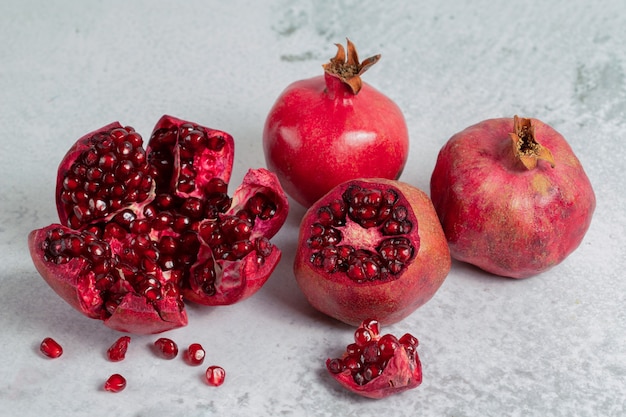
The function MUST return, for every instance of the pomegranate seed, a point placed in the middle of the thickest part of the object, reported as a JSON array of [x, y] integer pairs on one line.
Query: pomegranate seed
[[194, 355], [117, 351], [115, 383], [215, 376], [166, 348], [363, 336], [51, 348]]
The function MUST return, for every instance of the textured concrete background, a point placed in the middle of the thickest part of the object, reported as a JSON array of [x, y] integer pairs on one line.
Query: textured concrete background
[[552, 345]]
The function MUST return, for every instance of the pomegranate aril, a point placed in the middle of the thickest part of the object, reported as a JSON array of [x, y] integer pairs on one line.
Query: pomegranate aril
[[117, 351], [371, 352], [335, 366], [387, 346], [51, 348], [166, 348], [373, 326], [115, 383], [409, 341], [215, 375], [371, 371], [363, 336], [194, 355]]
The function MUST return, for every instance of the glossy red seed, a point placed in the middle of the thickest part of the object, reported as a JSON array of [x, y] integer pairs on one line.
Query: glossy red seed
[[362, 336], [166, 348], [215, 375], [51, 348], [115, 383], [117, 351], [194, 355]]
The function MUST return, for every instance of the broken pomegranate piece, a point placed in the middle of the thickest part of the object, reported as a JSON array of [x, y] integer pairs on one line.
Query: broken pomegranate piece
[[376, 366], [141, 229]]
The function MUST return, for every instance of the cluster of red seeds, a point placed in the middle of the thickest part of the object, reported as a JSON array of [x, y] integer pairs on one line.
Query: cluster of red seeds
[[166, 348], [368, 208], [368, 356]]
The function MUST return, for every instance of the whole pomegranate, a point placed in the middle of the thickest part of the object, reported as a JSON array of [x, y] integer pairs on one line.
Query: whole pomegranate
[[142, 229], [329, 129], [371, 248], [512, 197], [376, 366]]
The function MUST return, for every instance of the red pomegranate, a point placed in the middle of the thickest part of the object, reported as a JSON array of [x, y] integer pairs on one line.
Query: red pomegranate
[[329, 129], [141, 230], [512, 197], [371, 248]]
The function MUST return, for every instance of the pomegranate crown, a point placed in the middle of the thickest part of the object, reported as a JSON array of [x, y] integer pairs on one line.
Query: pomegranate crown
[[347, 67], [526, 147]]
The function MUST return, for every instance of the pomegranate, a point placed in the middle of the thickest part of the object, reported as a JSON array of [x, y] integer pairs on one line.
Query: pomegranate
[[142, 230], [115, 383], [376, 366], [51, 348], [166, 348], [329, 129], [512, 197], [215, 375], [117, 351], [371, 248]]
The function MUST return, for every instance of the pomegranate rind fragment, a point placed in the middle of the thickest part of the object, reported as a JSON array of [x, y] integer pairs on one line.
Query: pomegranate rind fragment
[[400, 372], [239, 279], [389, 300]]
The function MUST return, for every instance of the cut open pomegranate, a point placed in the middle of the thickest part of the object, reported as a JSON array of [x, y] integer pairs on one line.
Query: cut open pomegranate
[[377, 366], [371, 248], [141, 230]]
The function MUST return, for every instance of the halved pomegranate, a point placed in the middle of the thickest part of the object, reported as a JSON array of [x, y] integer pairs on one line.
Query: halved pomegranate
[[371, 248], [140, 230]]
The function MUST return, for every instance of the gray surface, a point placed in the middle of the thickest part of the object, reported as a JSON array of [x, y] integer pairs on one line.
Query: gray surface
[[552, 345]]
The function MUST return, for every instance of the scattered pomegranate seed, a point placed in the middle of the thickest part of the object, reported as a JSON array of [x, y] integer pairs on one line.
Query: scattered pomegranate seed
[[194, 355], [115, 383], [117, 351], [51, 348], [167, 348], [215, 375]]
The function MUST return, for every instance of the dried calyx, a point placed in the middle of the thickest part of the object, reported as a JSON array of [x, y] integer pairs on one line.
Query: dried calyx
[[347, 67], [525, 146]]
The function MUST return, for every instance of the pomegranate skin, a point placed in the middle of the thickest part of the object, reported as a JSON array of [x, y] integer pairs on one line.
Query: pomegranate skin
[[389, 301], [319, 133], [502, 217]]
